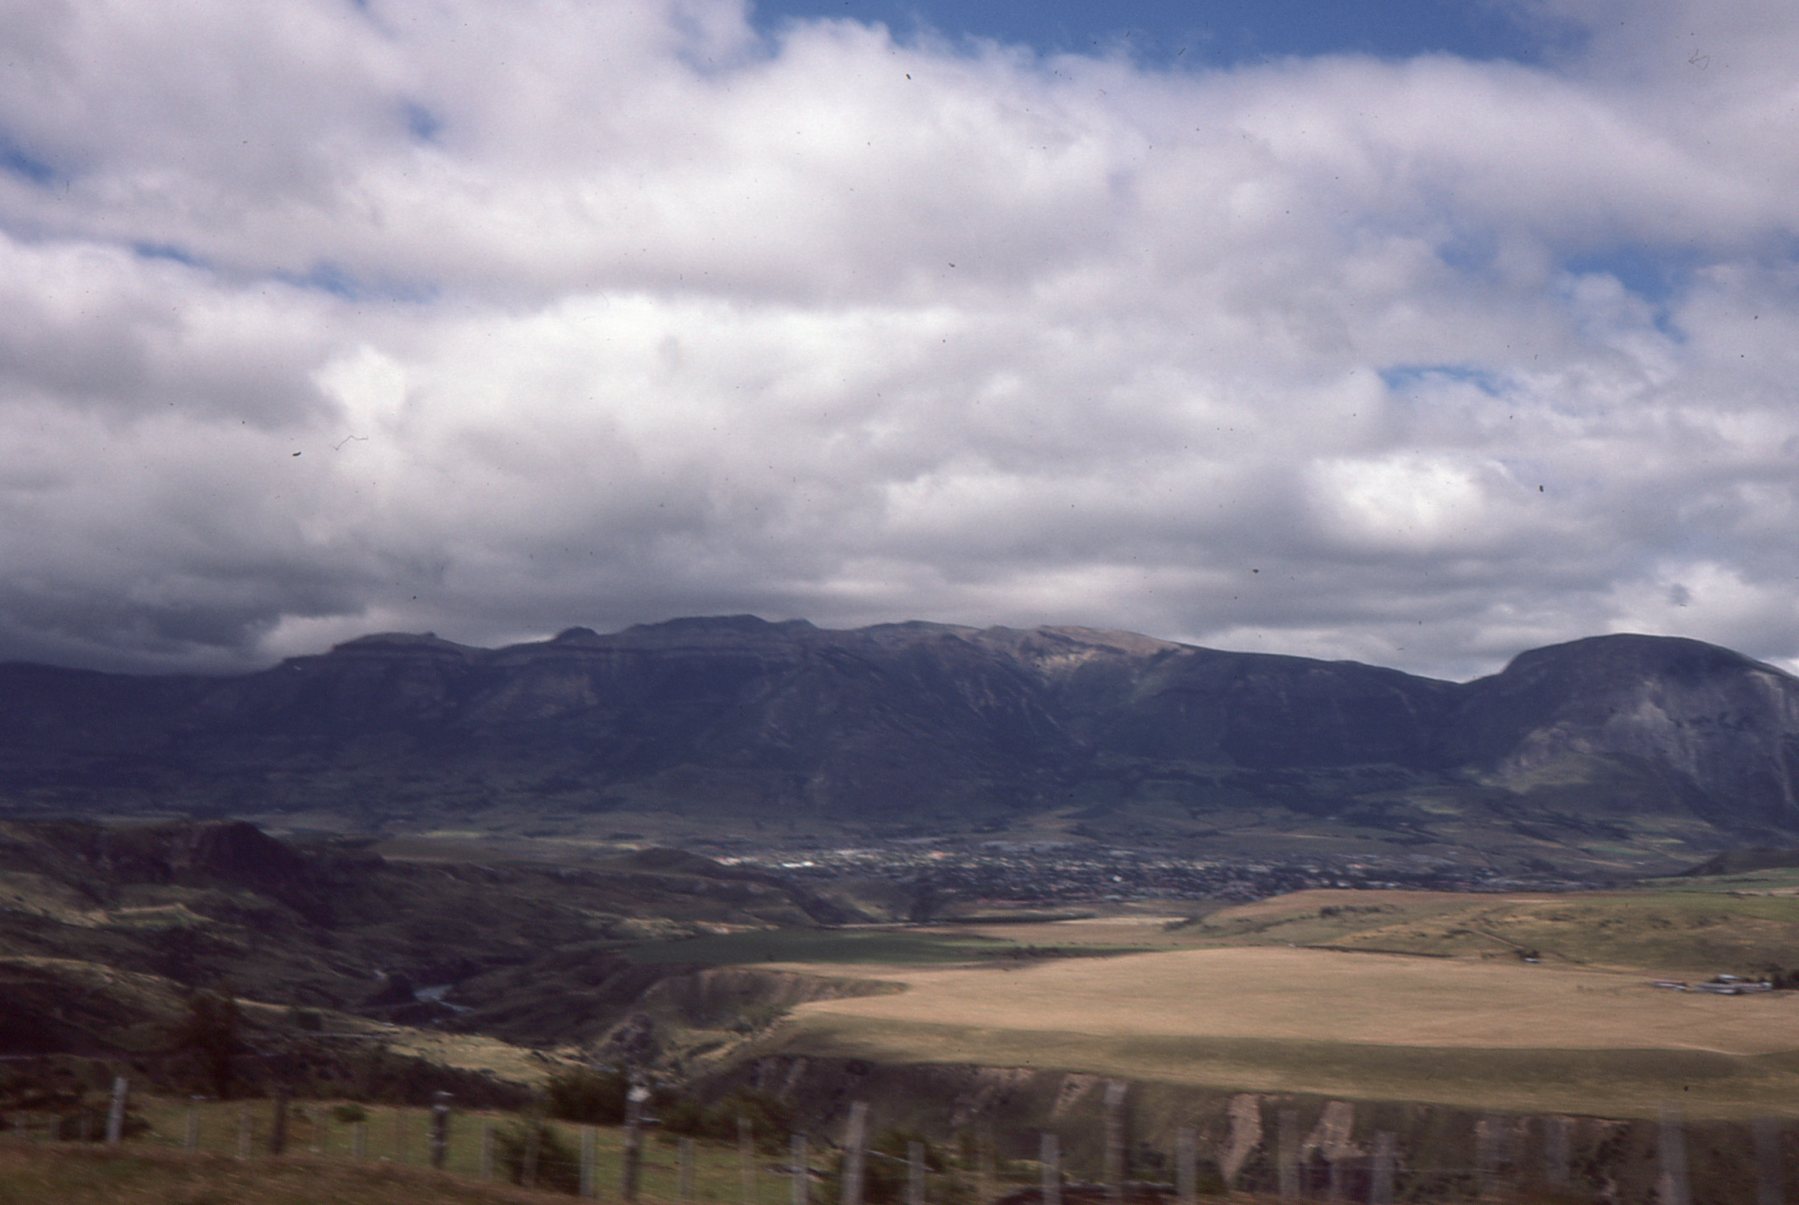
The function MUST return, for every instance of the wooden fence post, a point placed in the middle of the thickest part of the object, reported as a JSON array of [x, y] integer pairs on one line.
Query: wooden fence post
[[115, 1115], [1115, 1168], [1673, 1188], [988, 1157], [1289, 1155], [800, 1169], [533, 1147], [1186, 1165], [746, 1160], [359, 1140], [487, 1148], [1486, 1162], [278, 1128], [399, 1119], [684, 1171], [1770, 1177], [1556, 1142], [191, 1142], [632, 1171], [245, 1131], [1380, 1184], [915, 1173], [1049, 1153], [440, 1129], [590, 1141], [855, 1142]]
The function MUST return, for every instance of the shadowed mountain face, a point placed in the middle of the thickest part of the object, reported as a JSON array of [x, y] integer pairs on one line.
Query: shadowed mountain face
[[927, 726]]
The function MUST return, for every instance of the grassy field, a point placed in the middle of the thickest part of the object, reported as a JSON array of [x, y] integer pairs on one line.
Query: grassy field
[[1403, 996], [828, 947], [32, 1175], [1678, 928], [394, 1141]]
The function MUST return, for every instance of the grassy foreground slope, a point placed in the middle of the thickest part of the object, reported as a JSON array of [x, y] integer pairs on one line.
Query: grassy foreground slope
[[1380, 996], [31, 1175]]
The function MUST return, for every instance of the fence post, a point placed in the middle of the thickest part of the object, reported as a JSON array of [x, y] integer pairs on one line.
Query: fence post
[[1486, 1163], [533, 1145], [440, 1129], [1289, 1155], [359, 1140], [399, 1135], [245, 1131], [1186, 1165], [1555, 1151], [989, 1156], [589, 1160], [1380, 1184], [192, 1141], [799, 1164], [915, 1173], [1770, 1180], [854, 1143], [1673, 1188], [1115, 1169], [278, 1128], [115, 1116], [633, 1163], [487, 1148], [1049, 1153], [746, 1159], [684, 1171]]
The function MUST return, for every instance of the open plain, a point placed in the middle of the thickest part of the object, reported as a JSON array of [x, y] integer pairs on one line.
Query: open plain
[[1373, 996]]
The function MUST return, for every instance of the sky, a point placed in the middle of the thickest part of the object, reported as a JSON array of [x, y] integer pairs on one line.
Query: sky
[[1417, 333]]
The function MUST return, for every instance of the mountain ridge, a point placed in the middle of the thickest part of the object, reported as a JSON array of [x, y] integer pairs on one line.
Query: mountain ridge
[[922, 727]]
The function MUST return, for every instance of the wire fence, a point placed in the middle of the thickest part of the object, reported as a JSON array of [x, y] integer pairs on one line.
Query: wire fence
[[1505, 1159]]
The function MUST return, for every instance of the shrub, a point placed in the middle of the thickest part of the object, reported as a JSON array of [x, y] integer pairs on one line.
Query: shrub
[[589, 1096], [771, 1119], [886, 1171], [558, 1167]]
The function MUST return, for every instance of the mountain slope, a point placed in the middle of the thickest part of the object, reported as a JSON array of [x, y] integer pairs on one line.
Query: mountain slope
[[734, 722]]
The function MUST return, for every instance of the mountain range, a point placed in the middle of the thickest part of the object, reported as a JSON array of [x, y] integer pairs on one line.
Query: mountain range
[[1628, 748]]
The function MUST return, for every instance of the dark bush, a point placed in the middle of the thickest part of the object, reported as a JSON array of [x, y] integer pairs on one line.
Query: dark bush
[[589, 1096], [770, 1119], [558, 1167]]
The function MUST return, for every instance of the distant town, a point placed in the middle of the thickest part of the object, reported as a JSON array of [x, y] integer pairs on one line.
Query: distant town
[[1055, 873]]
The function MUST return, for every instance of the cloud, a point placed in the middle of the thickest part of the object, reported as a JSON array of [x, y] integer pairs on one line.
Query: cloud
[[604, 313]]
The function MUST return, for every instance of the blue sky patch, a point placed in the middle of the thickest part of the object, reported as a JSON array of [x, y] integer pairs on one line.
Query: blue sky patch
[[1213, 33], [339, 281], [15, 160], [422, 123], [1407, 378], [169, 251]]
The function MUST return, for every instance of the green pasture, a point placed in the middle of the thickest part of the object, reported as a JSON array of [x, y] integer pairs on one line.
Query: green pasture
[[395, 1136], [831, 947]]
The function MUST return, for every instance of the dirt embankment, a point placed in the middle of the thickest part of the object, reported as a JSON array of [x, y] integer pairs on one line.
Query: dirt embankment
[[721, 997], [1239, 1135]]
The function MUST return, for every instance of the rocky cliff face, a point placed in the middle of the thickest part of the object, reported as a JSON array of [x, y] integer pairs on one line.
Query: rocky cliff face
[[921, 724]]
